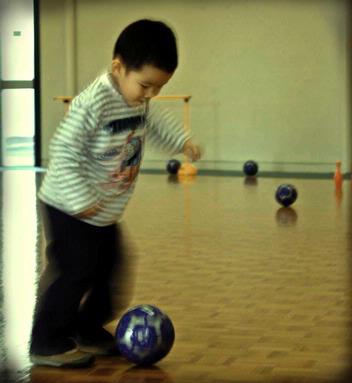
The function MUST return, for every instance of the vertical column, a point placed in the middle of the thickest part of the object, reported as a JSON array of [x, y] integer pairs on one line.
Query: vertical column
[[19, 264], [17, 82], [349, 86], [70, 38]]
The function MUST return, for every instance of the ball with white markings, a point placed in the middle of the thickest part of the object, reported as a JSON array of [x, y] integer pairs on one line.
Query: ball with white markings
[[144, 335]]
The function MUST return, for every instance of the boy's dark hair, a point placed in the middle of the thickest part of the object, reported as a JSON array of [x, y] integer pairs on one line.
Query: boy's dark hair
[[147, 42]]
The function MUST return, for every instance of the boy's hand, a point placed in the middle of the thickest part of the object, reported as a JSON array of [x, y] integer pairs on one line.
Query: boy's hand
[[192, 151], [90, 212]]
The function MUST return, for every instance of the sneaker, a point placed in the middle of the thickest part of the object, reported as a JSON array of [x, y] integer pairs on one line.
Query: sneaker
[[69, 359], [98, 342]]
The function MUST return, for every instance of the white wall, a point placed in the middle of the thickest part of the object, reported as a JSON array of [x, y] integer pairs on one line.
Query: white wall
[[268, 78]]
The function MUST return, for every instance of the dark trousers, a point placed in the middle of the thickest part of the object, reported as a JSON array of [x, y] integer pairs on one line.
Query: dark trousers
[[75, 290]]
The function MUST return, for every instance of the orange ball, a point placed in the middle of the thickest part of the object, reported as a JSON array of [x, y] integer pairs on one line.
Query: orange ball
[[187, 169]]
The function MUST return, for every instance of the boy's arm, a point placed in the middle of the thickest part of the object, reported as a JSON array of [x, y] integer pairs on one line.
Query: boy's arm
[[166, 131], [68, 154], [192, 151]]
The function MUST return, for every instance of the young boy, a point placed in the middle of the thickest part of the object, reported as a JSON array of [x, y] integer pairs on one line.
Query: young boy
[[95, 157]]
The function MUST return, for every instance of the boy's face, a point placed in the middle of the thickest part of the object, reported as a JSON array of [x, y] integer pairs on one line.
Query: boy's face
[[138, 86]]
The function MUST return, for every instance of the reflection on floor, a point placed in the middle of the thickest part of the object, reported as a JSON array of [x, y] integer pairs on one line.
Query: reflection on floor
[[256, 292]]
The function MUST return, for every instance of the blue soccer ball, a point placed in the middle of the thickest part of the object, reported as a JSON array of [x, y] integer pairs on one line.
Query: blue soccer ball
[[173, 166], [250, 168], [286, 194], [144, 335]]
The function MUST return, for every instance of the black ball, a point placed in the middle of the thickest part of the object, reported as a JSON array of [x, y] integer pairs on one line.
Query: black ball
[[173, 166], [286, 194], [250, 168]]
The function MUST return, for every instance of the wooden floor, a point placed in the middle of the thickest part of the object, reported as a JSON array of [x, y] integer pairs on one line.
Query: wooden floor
[[257, 293]]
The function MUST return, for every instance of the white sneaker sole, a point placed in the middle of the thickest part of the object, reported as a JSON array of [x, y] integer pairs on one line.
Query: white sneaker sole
[[70, 359]]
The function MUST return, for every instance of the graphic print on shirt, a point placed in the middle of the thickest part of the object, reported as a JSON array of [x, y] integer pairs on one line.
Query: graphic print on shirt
[[124, 161], [132, 154], [129, 123]]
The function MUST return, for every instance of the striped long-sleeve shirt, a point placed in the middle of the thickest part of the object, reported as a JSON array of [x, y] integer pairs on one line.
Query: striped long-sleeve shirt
[[96, 152]]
